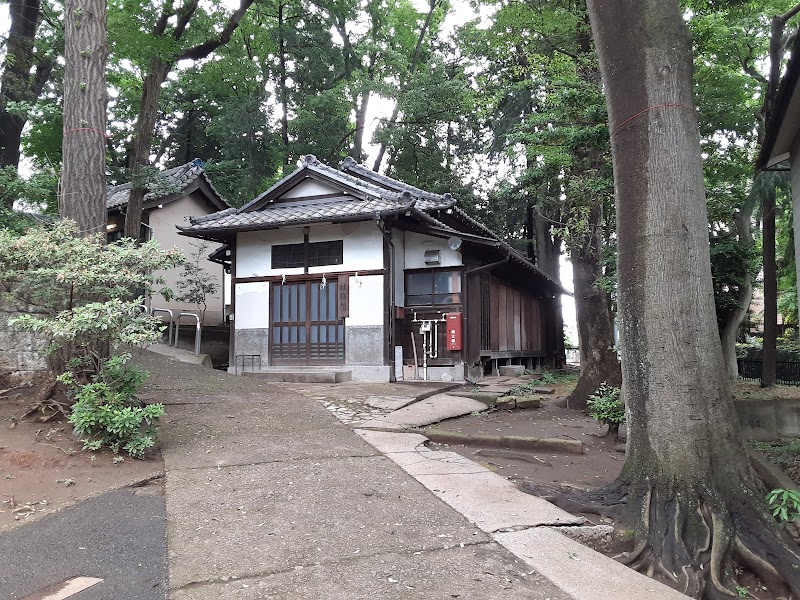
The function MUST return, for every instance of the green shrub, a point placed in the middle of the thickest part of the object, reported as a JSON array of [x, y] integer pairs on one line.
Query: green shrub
[[107, 414], [785, 504], [605, 406]]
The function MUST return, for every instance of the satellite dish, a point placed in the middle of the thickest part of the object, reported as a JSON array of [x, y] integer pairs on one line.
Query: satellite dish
[[454, 243]]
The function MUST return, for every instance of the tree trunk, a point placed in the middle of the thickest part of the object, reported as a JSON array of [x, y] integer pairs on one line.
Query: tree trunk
[[284, 90], [691, 492], [15, 84], [595, 322], [142, 140], [730, 329], [769, 351], [83, 177]]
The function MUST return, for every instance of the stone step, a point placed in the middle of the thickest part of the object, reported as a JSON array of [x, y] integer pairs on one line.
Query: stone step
[[302, 376]]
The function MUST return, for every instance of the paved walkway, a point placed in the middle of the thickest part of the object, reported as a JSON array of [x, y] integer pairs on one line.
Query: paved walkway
[[269, 495]]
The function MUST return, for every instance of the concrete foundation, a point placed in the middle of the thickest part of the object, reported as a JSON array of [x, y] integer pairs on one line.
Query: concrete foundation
[[363, 345], [250, 341]]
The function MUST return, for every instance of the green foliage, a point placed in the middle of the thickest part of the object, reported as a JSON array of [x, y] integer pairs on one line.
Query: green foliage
[[787, 349], [82, 296], [544, 378], [605, 406], [53, 270], [785, 504], [195, 283], [106, 413]]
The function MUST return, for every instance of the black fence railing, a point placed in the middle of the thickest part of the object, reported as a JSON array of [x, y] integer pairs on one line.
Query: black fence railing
[[786, 372]]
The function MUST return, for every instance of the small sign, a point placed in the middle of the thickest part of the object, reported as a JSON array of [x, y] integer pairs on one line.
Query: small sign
[[454, 331]]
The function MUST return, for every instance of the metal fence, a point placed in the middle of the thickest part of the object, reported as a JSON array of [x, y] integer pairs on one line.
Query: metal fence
[[786, 372]]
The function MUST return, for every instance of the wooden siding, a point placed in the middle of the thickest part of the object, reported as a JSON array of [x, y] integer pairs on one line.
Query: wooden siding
[[514, 321]]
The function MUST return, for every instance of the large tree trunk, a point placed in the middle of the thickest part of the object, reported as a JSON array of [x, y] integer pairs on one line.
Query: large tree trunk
[[142, 141], [690, 489], [83, 176], [595, 321], [15, 85]]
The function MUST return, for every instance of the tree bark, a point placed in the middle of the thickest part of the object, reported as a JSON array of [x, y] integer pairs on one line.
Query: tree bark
[[730, 328], [17, 83], [83, 178], [769, 352], [595, 320], [691, 493], [142, 140]]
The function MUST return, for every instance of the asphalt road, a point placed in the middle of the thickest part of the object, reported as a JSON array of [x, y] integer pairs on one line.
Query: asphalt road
[[119, 537]]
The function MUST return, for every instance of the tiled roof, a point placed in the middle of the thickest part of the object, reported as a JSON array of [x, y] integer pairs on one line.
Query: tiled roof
[[165, 184], [298, 212]]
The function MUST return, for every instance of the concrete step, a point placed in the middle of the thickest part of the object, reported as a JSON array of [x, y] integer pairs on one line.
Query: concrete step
[[302, 376]]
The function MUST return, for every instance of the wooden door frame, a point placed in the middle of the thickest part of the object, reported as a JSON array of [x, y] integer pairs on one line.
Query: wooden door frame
[[339, 321]]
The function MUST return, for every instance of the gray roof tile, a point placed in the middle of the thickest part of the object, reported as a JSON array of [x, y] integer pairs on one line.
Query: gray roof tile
[[166, 183]]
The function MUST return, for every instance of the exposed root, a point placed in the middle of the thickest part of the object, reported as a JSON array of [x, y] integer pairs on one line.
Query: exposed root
[[694, 539], [47, 402]]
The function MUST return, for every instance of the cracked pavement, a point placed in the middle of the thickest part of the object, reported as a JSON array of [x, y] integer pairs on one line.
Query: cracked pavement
[[269, 495]]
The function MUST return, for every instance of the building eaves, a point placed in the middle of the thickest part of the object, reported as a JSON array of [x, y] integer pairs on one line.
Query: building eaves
[[338, 209], [783, 103]]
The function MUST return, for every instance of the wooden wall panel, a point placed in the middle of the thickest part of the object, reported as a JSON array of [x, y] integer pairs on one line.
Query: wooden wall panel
[[503, 320]]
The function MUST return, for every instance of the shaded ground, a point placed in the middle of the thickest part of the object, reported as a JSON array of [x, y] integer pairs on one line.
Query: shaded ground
[[599, 465]]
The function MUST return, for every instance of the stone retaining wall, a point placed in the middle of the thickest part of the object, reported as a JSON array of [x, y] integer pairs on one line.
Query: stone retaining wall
[[766, 420], [22, 353]]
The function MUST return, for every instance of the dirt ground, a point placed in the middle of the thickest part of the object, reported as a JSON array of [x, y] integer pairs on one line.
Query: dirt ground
[[601, 463], [43, 469]]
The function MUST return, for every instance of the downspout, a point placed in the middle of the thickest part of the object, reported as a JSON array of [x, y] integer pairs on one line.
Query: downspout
[[387, 236], [467, 273]]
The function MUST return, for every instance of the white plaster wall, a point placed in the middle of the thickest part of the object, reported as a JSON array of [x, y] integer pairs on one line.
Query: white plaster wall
[[366, 301], [362, 248], [416, 245], [252, 306], [163, 222], [309, 187], [399, 240]]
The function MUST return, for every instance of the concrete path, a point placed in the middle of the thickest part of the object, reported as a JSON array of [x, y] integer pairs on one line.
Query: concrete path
[[528, 526], [431, 410], [268, 495]]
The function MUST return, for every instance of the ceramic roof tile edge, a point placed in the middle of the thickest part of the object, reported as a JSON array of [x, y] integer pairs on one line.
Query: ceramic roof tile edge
[[378, 214], [312, 164], [350, 164], [194, 168]]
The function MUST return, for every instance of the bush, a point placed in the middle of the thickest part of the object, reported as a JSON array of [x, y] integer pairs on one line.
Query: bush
[[605, 406], [107, 414], [785, 504]]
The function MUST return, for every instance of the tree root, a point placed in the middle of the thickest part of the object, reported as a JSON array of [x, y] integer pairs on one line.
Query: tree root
[[694, 539], [47, 402]]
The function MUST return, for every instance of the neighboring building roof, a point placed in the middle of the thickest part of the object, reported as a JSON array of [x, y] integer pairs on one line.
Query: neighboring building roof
[[164, 186], [361, 195], [783, 120]]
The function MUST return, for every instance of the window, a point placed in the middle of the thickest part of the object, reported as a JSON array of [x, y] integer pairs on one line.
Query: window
[[433, 287], [325, 253], [288, 256], [320, 254]]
